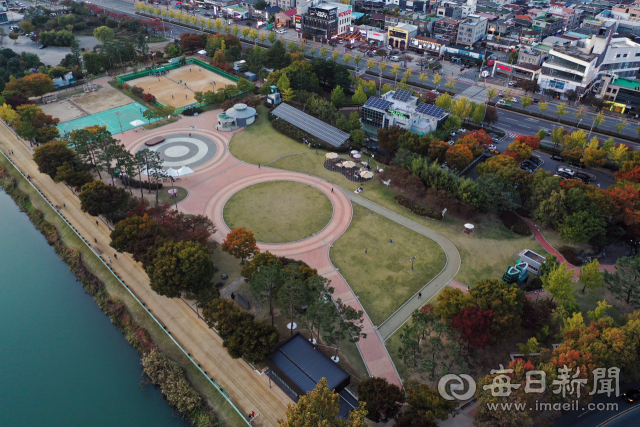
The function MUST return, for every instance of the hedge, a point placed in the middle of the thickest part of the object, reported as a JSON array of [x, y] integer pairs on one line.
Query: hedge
[[145, 184], [514, 223], [569, 254], [418, 210]]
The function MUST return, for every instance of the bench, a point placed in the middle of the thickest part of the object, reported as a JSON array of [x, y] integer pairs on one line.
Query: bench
[[154, 141]]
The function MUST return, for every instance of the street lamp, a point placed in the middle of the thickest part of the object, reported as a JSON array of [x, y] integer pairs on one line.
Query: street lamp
[[117, 113]]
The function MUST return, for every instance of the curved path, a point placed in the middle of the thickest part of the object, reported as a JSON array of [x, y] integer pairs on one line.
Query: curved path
[[212, 184], [216, 181]]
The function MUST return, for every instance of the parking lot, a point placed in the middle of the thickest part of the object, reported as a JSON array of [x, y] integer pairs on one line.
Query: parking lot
[[52, 55]]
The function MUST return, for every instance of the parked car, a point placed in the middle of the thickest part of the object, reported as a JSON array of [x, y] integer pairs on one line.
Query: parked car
[[564, 175], [43, 47], [578, 165], [394, 58], [494, 152], [495, 140], [558, 158], [491, 147], [566, 170], [632, 396], [451, 142]]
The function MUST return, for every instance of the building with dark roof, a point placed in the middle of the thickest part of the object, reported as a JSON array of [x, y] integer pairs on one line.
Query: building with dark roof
[[317, 128], [297, 366]]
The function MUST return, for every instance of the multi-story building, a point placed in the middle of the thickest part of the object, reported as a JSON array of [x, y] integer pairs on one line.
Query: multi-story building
[[569, 68], [497, 27], [568, 15], [630, 11], [622, 58], [446, 29], [455, 9], [471, 30], [399, 35], [4, 8], [549, 24], [324, 20], [621, 93], [427, 45], [531, 55], [400, 108]]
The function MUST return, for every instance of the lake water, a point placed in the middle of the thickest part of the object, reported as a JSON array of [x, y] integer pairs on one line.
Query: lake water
[[62, 363]]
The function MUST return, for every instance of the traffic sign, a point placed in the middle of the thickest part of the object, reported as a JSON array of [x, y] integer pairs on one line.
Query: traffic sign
[[269, 26]]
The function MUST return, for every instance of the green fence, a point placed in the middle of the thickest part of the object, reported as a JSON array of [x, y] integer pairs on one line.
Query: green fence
[[172, 66]]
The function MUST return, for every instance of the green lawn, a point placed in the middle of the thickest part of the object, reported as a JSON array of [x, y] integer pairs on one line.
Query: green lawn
[[260, 143], [382, 278], [280, 211]]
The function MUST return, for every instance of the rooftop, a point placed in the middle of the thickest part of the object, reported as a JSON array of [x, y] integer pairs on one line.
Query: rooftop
[[403, 26], [628, 83], [576, 53], [310, 124]]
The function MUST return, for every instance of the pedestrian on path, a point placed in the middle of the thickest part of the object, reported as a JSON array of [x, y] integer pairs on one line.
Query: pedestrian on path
[[419, 295], [115, 256], [28, 177], [390, 241], [64, 205], [332, 190], [258, 165], [97, 223], [365, 251], [233, 297], [95, 240], [109, 260]]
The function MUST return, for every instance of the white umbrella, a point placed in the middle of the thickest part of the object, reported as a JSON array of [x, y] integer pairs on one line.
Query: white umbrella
[[366, 175], [173, 191], [136, 123], [348, 164], [356, 156], [354, 152], [469, 226], [339, 165], [202, 52], [185, 170], [172, 172], [331, 156]]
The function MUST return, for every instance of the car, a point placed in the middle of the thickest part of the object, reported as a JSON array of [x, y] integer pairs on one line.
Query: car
[[568, 171], [487, 155], [513, 99], [578, 164], [494, 152], [207, 14], [43, 46], [558, 158], [535, 160], [524, 168], [564, 175], [632, 396], [512, 83], [462, 130], [468, 66], [491, 147], [453, 133], [495, 140], [451, 142], [435, 91]]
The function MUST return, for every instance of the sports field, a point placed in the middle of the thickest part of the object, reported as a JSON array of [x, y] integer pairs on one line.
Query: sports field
[[84, 104], [176, 88], [127, 114]]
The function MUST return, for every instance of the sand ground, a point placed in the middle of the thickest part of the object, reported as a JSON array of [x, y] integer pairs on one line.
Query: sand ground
[[64, 110], [168, 90]]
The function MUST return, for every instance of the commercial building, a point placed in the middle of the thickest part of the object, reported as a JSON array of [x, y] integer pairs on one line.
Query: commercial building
[[622, 58], [549, 24], [286, 18], [399, 35], [324, 20], [472, 29], [531, 55], [422, 45], [622, 94], [569, 68], [400, 108], [516, 72]]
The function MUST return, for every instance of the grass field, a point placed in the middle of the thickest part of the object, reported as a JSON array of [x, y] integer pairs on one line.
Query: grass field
[[260, 143], [485, 254], [279, 211], [382, 278], [225, 411], [163, 195]]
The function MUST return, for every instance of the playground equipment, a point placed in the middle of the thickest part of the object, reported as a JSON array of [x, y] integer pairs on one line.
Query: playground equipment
[[90, 87], [516, 274], [533, 260], [49, 98]]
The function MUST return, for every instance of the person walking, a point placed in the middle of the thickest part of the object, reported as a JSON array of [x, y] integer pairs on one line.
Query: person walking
[[332, 190], [97, 223], [419, 295], [95, 240], [109, 260], [115, 256], [365, 251], [233, 297]]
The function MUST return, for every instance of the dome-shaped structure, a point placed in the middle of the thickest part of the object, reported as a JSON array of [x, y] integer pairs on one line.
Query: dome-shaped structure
[[243, 114]]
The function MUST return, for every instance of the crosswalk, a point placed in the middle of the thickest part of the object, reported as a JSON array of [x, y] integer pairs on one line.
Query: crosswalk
[[511, 134], [466, 80]]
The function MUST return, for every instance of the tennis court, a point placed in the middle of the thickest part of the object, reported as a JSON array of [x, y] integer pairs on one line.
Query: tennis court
[[127, 114]]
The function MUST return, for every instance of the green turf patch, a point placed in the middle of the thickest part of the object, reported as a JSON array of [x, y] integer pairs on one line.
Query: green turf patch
[[382, 277], [279, 211]]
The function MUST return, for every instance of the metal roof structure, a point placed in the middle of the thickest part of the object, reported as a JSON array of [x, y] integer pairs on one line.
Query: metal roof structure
[[297, 366], [379, 104], [431, 110], [311, 125], [401, 95]]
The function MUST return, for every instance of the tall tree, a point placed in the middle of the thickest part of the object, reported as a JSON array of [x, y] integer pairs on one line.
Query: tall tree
[[337, 97], [474, 326], [505, 301], [265, 284], [320, 407], [181, 267], [349, 326], [240, 243], [97, 198], [425, 405], [625, 282], [559, 283], [382, 400], [51, 156]]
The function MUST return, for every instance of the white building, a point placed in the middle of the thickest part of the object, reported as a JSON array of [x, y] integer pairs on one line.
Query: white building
[[472, 29], [401, 108], [622, 58]]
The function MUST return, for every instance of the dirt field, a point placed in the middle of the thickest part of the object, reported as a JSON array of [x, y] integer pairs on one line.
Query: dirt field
[[168, 90], [63, 110], [102, 99]]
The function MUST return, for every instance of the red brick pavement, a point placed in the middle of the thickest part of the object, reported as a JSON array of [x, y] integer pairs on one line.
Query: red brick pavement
[[215, 182]]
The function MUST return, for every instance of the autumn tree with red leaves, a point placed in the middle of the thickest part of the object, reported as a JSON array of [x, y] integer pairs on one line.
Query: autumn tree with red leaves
[[459, 157], [625, 198], [531, 140], [631, 176], [240, 243], [473, 325]]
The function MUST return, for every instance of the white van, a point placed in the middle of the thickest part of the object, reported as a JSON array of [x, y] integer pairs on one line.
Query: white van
[[394, 58]]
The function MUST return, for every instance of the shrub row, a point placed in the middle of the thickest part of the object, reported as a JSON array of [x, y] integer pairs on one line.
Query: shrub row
[[514, 223], [418, 210], [134, 183]]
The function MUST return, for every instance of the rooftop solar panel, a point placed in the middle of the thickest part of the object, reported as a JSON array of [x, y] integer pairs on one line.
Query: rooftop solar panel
[[401, 95], [431, 110], [307, 123], [377, 103]]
